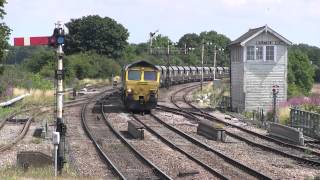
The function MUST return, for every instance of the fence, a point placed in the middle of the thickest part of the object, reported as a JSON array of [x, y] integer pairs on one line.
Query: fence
[[307, 121]]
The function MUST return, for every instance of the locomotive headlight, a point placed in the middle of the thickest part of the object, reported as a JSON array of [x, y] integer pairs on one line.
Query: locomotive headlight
[[152, 91], [129, 90]]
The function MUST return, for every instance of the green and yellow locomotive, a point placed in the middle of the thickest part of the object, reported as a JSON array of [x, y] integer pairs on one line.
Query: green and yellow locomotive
[[140, 86]]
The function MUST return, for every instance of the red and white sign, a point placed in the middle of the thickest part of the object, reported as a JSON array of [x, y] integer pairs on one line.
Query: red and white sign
[[31, 41]]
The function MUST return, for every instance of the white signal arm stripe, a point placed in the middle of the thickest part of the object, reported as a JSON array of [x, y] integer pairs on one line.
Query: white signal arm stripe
[[26, 41]]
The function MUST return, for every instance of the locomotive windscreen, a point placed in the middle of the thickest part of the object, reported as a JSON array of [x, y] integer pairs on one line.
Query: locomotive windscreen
[[134, 75], [150, 75]]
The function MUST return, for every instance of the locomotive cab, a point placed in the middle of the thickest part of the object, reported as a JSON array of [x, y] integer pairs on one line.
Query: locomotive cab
[[140, 87]]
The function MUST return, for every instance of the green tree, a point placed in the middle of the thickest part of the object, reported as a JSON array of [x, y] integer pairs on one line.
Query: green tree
[[221, 41], [103, 35], [313, 54], [4, 35], [39, 60], [161, 41], [300, 73], [190, 40]]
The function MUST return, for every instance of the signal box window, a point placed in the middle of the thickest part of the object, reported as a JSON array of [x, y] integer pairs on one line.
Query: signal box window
[[134, 75], [250, 53], [259, 53], [270, 53], [150, 76]]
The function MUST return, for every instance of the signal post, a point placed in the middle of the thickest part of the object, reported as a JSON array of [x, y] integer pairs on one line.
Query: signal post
[[57, 41]]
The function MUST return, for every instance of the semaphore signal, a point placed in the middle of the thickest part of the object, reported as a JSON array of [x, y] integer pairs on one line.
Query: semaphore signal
[[57, 40]]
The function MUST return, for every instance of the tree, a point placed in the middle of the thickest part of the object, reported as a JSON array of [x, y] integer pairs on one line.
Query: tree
[[103, 35], [161, 41], [300, 73], [221, 41], [190, 40], [39, 60], [4, 35], [313, 54]]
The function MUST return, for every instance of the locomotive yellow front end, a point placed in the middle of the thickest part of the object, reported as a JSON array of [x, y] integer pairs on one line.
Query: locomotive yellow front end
[[140, 90]]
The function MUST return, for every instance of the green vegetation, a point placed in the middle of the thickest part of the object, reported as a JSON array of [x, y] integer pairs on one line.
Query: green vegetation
[[300, 73], [211, 95], [97, 47], [12, 173], [103, 35], [4, 35]]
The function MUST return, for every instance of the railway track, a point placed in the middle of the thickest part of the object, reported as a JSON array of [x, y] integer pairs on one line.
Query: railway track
[[20, 134], [252, 138], [124, 160], [24, 130], [198, 152]]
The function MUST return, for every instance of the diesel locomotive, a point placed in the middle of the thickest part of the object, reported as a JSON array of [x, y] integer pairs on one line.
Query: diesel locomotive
[[140, 85], [141, 81]]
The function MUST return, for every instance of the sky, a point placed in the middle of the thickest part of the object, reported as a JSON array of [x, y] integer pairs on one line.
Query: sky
[[296, 20]]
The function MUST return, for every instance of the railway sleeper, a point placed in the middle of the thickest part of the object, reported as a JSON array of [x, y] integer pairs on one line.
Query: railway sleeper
[[211, 130], [135, 129]]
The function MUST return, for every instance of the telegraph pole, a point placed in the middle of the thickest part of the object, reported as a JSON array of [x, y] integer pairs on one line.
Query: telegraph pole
[[202, 56], [60, 126], [275, 91], [214, 61], [168, 66]]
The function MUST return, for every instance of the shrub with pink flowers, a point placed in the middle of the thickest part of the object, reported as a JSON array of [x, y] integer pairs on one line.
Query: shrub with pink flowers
[[306, 103], [311, 104]]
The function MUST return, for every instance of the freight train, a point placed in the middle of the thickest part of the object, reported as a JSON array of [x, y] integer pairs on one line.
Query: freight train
[[141, 81]]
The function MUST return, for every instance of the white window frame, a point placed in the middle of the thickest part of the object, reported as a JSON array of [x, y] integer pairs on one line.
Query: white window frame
[[274, 57], [254, 53], [264, 53]]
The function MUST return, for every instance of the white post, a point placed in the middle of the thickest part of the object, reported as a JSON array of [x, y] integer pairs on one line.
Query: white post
[[214, 62], [202, 55], [60, 83], [60, 126], [56, 141], [55, 160]]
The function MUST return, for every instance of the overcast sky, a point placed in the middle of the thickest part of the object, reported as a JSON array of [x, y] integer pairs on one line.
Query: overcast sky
[[297, 20]]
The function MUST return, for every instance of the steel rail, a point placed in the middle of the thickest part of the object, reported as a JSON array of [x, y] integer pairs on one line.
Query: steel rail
[[205, 146], [268, 138], [172, 145], [20, 136], [155, 169], [103, 156], [264, 147]]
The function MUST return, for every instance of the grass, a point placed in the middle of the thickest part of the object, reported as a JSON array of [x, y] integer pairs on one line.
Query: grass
[[43, 173], [211, 95], [36, 140], [96, 82]]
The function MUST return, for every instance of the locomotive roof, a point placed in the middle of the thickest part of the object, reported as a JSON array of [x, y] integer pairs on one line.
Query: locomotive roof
[[141, 63]]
